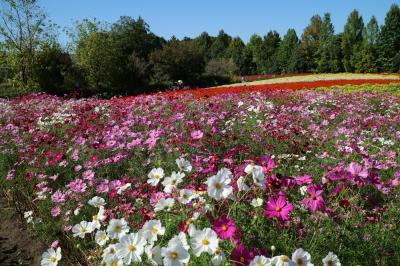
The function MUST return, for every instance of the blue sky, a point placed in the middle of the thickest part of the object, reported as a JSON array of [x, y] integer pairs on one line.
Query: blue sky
[[237, 17]]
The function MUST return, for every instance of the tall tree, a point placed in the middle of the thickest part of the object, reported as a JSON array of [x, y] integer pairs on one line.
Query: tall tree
[[220, 45], [351, 39], [310, 42], [390, 41], [235, 53], [329, 48], [23, 26], [204, 42], [270, 47], [287, 51], [256, 47], [365, 58]]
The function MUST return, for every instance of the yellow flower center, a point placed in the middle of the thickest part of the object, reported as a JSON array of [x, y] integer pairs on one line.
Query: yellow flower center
[[299, 261], [53, 259], [277, 209], [223, 228], [154, 230], [285, 258], [114, 263], [217, 185], [261, 264], [156, 176], [330, 263], [242, 260], [205, 242], [103, 237], [94, 217], [131, 248], [173, 255], [118, 229], [173, 182], [82, 230]]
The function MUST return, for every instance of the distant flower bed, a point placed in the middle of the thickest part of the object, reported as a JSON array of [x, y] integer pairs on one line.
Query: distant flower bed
[[276, 177]]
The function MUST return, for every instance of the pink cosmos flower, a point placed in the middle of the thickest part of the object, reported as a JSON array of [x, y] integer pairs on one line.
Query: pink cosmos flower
[[278, 207], [224, 227], [57, 197], [315, 201], [54, 244], [300, 180], [55, 211], [197, 134], [357, 171]]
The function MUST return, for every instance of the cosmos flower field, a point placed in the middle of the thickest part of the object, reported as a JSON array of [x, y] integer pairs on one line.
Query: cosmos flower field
[[279, 177]]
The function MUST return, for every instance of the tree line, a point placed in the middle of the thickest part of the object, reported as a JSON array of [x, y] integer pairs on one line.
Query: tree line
[[125, 57]]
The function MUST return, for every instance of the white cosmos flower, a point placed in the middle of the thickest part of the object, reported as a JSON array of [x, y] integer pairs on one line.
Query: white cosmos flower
[[97, 202], [101, 237], [123, 188], [175, 255], [219, 185], [99, 217], [179, 239], [185, 196], [153, 255], [219, 258], [114, 261], [282, 260], [109, 254], [117, 228], [172, 181], [257, 202], [151, 229], [184, 165], [249, 168], [260, 261], [82, 229], [155, 176], [302, 257], [51, 257], [303, 190], [258, 176], [242, 185], [331, 260], [205, 240], [130, 248], [163, 204]]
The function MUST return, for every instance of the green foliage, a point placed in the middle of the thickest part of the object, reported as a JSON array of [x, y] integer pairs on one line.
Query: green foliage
[[329, 49], [177, 60], [220, 45], [235, 53], [310, 42], [221, 67], [390, 41], [23, 28], [351, 39], [54, 70], [287, 52]]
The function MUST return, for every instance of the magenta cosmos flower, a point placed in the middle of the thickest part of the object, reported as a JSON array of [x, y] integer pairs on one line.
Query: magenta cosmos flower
[[241, 255], [315, 201], [224, 227], [278, 207]]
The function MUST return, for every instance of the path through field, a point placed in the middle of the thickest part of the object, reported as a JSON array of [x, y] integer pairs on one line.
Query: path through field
[[17, 246]]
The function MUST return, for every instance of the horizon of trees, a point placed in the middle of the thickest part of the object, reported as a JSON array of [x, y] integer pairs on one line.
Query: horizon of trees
[[125, 57]]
